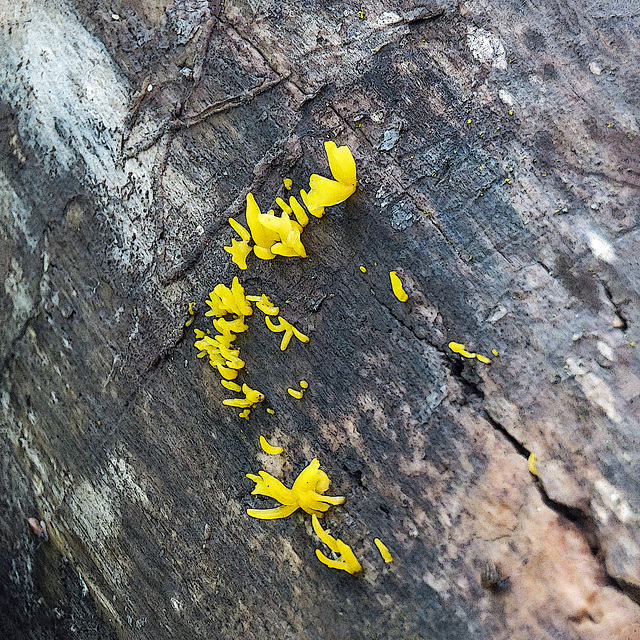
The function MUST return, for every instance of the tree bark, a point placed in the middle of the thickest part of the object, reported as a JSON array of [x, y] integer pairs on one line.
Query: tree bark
[[498, 164]]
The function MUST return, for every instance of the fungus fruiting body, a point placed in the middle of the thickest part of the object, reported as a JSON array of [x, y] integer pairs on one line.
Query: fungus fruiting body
[[251, 398], [532, 463], [383, 549], [306, 493], [346, 561], [324, 192], [396, 285], [289, 331], [269, 448], [460, 349]]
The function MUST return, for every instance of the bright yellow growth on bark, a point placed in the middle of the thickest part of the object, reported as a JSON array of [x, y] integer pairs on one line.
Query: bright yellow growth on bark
[[396, 285], [346, 561], [289, 331], [306, 493], [383, 549], [269, 448]]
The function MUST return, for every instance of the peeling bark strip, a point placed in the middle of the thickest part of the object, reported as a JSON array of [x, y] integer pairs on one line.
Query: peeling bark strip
[[497, 154]]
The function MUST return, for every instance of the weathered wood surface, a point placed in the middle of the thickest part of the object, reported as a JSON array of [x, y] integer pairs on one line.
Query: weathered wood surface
[[498, 158]]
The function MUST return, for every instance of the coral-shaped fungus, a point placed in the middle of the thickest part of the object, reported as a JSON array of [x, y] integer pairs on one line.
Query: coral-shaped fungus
[[239, 250], [289, 331], [223, 300], [306, 493], [346, 560], [280, 235], [324, 192]]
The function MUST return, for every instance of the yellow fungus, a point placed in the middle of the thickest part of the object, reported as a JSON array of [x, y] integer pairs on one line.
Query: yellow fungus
[[284, 206], [306, 493], [269, 448], [288, 234], [245, 414], [189, 321], [221, 357], [304, 384], [398, 289], [483, 359], [288, 183], [271, 411], [532, 463], [263, 237], [223, 300], [317, 212], [251, 398], [264, 304], [299, 212], [325, 192], [363, 269], [232, 386], [346, 561], [295, 393], [239, 250], [239, 229], [289, 331], [495, 352], [456, 347], [384, 551]]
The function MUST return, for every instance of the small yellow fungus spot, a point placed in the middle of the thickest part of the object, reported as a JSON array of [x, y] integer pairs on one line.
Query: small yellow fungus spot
[[189, 321], [346, 561], [398, 289], [289, 331], [483, 359], [456, 347], [495, 352], [264, 304], [384, 551], [251, 398], [363, 269], [295, 393], [304, 384], [507, 179], [325, 192], [469, 121], [269, 448], [510, 112], [361, 15], [288, 183], [245, 414], [306, 493], [232, 386], [532, 463], [271, 411]]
